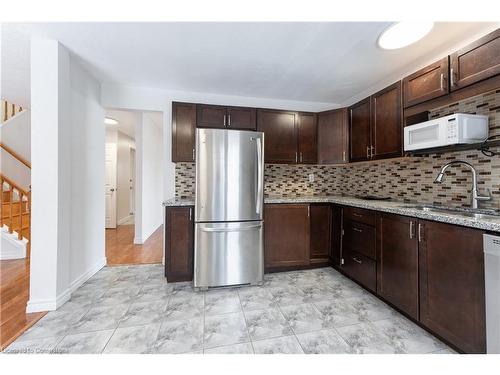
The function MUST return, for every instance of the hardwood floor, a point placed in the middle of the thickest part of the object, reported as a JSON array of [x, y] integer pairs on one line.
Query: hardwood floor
[[120, 248], [14, 294]]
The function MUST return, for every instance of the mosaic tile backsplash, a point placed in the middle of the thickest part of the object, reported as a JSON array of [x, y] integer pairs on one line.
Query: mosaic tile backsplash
[[410, 179]]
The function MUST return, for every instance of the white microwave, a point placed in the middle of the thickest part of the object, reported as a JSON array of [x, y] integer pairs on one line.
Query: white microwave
[[459, 128]]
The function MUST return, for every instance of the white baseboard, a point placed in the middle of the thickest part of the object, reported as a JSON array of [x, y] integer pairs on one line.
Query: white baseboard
[[11, 246], [61, 299], [124, 219], [87, 275]]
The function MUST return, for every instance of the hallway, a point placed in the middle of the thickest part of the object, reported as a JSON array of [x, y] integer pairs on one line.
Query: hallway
[[121, 250]]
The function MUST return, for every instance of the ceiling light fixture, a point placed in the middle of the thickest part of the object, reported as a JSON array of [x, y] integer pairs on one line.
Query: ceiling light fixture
[[110, 121], [404, 33]]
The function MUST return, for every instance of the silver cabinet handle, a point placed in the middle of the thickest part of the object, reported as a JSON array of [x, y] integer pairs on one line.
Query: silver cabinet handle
[[357, 230], [190, 214], [308, 211], [228, 120], [419, 232], [193, 153], [356, 215], [224, 120], [301, 156], [357, 260], [343, 155], [452, 78], [296, 157], [411, 229], [441, 80]]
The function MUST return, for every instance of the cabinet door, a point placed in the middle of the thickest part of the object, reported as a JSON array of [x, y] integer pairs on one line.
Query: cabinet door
[[211, 116], [321, 231], [286, 235], [360, 131], [179, 244], [397, 262], [280, 142], [241, 118], [387, 122], [183, 132], [475, 62], [427, 83], [307, 131], [336, 247], [332, 137], [451, 268]]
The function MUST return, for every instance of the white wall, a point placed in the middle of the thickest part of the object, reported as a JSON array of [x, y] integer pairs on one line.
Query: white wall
[[149, 177], [15, 133], [125, 143], [67, 149], [87, 183]]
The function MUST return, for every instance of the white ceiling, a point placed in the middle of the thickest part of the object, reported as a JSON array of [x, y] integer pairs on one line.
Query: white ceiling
[[317, 62], [127, 119]]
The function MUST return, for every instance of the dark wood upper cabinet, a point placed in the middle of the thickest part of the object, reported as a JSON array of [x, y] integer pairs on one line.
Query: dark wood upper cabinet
[[321, 232], [332, 137], [427, 83], [211, 116], [183, 131], [475, 62], [360, 131], [397, 262], [307, 133], [451, 269], [286, 235], [179, 240], [224, 117], [387, 122], [241, 118], [280, 130]]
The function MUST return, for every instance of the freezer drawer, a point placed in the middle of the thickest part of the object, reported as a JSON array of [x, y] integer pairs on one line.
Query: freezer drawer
[[228, 254]]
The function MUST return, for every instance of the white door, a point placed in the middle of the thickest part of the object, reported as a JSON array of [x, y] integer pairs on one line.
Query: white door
[[132, 181], [110, 185]]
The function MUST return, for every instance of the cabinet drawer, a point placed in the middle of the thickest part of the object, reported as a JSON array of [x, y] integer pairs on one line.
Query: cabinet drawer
[[360, 215], [360, 238], [361, 269]]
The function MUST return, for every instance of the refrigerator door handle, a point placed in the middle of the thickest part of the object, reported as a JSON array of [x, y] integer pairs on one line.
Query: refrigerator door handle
[[233, 229], [260, 187]]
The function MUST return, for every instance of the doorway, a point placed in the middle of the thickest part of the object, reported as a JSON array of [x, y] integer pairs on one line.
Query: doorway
[[123, 189]]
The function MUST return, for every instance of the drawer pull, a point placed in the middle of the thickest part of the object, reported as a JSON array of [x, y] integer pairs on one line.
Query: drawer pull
[[357, 230], [357, 260], [356, 215]]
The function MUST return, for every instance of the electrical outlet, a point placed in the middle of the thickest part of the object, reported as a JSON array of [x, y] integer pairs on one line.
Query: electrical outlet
[[311, 177]]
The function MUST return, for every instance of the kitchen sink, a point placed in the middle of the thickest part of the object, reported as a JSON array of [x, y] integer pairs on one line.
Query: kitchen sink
[[468, 212]]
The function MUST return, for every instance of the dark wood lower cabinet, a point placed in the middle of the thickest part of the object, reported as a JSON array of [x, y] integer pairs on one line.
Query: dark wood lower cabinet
[[360, 268], [321, 232], [397, 262], [179, 243], [286, 235], [452, 301]]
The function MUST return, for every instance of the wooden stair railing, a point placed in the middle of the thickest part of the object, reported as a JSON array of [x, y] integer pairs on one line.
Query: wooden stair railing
[[15, 155], [15, 208], [9, 110]]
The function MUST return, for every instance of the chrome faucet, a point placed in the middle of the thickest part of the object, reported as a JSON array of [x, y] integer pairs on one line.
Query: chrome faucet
[[475, 198]]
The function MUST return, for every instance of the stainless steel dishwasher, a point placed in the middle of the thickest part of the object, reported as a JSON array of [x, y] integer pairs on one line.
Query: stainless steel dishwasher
[[491, 246]]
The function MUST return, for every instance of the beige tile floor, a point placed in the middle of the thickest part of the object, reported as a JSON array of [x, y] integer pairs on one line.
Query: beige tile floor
[[132, 309]]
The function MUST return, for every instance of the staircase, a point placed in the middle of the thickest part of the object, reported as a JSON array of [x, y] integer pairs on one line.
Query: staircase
[[15, 209]]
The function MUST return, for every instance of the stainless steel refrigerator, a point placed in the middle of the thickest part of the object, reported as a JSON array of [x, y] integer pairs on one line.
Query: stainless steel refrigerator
[[229, 239]]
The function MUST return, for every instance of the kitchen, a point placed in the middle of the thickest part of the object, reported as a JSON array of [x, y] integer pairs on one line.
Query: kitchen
[[405, 230]]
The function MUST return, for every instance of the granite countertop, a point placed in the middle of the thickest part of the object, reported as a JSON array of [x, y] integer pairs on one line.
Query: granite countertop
[[395, 207]]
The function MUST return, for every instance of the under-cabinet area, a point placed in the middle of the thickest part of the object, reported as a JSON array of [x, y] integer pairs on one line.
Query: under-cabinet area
[[430, 271]]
